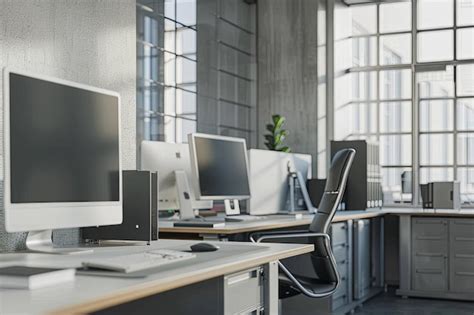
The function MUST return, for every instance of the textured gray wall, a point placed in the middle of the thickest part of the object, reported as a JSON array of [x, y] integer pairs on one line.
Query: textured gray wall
[[287, 70], [87, 41]]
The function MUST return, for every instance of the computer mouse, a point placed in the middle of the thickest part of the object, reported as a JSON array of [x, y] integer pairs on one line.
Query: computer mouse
[[204, 247]]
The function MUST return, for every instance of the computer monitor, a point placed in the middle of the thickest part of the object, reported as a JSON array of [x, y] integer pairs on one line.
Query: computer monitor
[[167, 158], [62, 157], [220, 169], [269, 171]]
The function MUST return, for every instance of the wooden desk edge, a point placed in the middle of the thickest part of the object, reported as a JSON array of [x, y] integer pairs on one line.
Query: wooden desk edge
[[266, 226], [151, 288]]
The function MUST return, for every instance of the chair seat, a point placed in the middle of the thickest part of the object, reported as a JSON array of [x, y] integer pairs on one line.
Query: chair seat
[[288, 289]]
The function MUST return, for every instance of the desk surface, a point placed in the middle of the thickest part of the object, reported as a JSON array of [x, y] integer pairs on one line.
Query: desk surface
[[88, 293], [280, 221]]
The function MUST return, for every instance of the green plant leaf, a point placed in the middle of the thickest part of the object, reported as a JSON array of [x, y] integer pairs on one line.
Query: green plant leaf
[[285, 149], [279, 123], [269, 138], [275, 118], [270, 128]]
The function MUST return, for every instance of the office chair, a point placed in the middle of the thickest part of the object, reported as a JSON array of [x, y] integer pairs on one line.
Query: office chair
[[322, 258]]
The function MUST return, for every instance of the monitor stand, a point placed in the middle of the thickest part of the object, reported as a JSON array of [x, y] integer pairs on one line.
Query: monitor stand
[[186, 210], [232, 209], [42, 241]]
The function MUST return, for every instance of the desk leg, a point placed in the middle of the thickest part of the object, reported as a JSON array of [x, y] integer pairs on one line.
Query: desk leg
[[405, 253], [271, 288]]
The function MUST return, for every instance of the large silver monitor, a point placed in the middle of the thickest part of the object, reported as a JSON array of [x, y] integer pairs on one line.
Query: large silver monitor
[[220, 168], [269, 179], [62, 156], [167, 158]]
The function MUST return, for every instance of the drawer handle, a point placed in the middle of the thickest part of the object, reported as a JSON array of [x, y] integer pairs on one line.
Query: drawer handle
[[469, 239], [429, 271], [429, 254], [465, 273]]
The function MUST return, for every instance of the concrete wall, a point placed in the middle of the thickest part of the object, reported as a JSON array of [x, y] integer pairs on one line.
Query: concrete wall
[[287, 62], [87, 41]]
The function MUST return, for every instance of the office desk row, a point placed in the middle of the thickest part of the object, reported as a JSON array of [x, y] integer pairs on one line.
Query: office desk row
[[435, 253], [238, 278]]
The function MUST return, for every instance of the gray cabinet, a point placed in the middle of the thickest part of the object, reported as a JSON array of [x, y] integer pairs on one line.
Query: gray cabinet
[[362, 258], [340, 238], [430, 254], [437, 257], [461, 258]]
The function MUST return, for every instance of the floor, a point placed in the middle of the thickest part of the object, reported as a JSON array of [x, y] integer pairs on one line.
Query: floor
[[390, 304]]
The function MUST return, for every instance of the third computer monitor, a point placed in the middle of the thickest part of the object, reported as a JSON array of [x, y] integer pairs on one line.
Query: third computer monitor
[[220, 167]]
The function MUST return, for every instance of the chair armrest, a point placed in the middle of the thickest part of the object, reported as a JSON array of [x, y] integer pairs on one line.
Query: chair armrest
[[292, 235], [256, 235]]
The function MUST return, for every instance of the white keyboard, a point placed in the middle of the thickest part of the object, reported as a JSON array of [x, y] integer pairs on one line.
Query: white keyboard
[[136, 262]]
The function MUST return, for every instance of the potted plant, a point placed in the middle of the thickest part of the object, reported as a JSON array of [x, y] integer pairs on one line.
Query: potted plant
[[276, 137]]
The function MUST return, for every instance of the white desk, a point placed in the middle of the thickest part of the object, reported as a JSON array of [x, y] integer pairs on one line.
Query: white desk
[[89, 294]]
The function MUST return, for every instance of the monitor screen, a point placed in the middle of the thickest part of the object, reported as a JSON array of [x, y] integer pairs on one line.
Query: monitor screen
[[64, 143], [222, 167]]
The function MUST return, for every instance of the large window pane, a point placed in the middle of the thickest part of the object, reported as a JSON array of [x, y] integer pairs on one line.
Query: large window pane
[[395, 117], [465, 115], [436, 174], [395, 150], [465, 80], [186, 42], [170, 9], [436, 149], [436, 83], [395, 49], [435, 13], [364, 19], [364, 118], [186, 104], [186, 12], [436, 115], [186, 73], [183, 128], [435, 46], [466, 177], [395, 17], [396, 185], [395, 84], [364, 51], [364, 85], [465, 12], [466, 148], [465, 43], [170, 68]]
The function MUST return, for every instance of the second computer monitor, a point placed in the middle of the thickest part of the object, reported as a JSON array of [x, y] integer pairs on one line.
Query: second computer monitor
[[220, 167]]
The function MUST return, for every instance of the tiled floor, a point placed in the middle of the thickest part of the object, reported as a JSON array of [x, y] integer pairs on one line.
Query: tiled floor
[[390, 304]]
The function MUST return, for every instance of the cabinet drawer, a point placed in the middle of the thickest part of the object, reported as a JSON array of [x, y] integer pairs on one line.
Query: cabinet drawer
[[243, 292], [339, 233], [462, 230], [438, 247], [430, 280], [429, 262], [430, 229], [339, 301], [340, 252], [462, 282], [342, 289]]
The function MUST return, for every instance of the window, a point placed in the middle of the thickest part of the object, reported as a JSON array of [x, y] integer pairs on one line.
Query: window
[[382, 105], [166, 52], [171, 100]]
